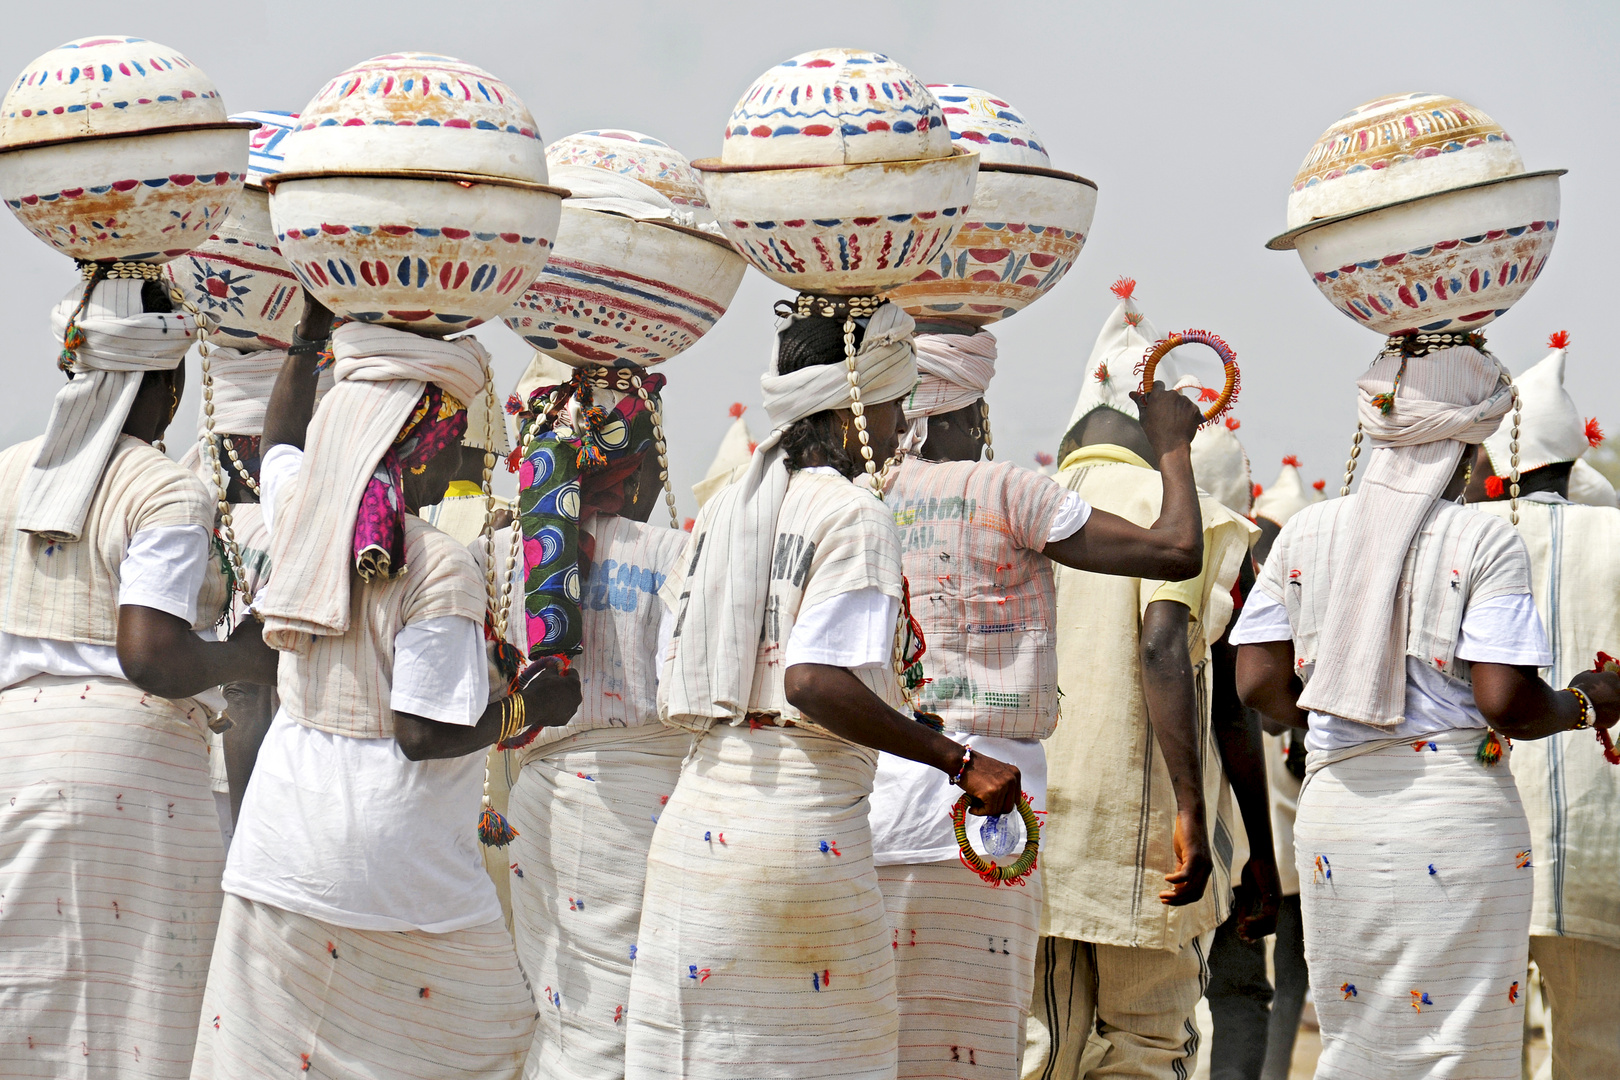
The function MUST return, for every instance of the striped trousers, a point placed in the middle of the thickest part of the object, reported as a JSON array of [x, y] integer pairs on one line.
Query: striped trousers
[[1115, 1011]]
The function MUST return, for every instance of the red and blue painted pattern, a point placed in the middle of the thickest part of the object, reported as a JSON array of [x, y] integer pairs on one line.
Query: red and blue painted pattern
[[82, 221], [782, 249], [151, 83], [421, 90], [264, 144], [630, 153], [993, 269], [990, 125], [1463, 282]]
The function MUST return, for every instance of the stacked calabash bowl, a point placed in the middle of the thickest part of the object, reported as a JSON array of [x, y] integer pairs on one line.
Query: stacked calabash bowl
[[237, 277], [119, 149], [1414, 213], [838, 175], [639, 272], [1024, 229], [414, 194]]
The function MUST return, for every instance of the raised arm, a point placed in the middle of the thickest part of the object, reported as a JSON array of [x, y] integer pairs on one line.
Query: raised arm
[[292, 401], [1172, 548], [1172, 706]]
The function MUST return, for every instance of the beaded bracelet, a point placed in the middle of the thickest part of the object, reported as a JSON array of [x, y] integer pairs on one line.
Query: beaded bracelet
[[967, 759], [1585, 720], [990, 872]]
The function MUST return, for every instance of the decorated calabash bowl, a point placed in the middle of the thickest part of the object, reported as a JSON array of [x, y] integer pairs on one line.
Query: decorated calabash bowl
[[119, 148], [1450, 261], [842, 230], [640, 157], [432, 253], [414, 194], [237, 276], [1024, 229], [835, 107], [617, 289]]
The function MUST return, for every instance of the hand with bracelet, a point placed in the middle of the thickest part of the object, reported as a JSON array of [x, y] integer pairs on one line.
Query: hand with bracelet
[[547, 697], [1517, 703]]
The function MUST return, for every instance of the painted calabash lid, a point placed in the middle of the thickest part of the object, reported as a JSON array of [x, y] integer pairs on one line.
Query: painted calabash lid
[[264, 145], [632, 154], [835, 107], [1396, 148], [416, 112], [978, 120], [104, 86]]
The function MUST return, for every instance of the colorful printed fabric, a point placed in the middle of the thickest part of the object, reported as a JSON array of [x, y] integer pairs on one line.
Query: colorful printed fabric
[[569, 471], [379, 527]]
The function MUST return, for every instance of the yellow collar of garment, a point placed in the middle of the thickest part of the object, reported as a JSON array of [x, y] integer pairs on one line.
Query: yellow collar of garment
[[1098, 452], [462, 489]]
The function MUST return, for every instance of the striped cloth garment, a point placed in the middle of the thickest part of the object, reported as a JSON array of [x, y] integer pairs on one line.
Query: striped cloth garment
[[380, 374], [1415, 880], [110, 859], [764, 949], [964, 968], [585, 810], [292, 997]]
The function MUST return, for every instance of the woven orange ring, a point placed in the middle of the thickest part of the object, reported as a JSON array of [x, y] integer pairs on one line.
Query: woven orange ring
[[1234, 380], [991, 872]]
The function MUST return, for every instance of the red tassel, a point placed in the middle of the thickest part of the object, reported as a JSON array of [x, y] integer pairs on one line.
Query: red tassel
[[1208, 393], [1123, 288], [737, 409], [1258, 491], [1320, 485], [1233, 423], [689, 523], [1559, 340], [1101, 374], [1594, 432], [1493, 487], [1292, 459]]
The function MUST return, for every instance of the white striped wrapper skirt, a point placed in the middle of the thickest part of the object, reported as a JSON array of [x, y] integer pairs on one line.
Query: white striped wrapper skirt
[[110, 860], [964, 966], [1415, 883], [764, 949], [293, 997], [584, 810]]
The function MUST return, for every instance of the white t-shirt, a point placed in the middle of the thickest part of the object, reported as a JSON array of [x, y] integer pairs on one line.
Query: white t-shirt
[[350, 831], [162, 568], [911, 802], [1501, 630]]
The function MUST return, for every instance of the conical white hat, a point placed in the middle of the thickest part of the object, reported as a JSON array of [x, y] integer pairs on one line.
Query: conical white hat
[[1550, 429], [1221, 467], [730, 461], [1287, 496], [1110, 374], [1587, 485]]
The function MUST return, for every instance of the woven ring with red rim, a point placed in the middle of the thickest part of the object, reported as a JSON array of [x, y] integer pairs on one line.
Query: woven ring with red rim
[[1229, 392], [991, 872]]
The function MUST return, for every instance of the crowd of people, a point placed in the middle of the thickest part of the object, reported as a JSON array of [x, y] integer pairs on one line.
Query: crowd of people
[[897, 761]]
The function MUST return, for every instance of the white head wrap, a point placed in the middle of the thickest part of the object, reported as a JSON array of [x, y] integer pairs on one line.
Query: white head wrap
[[953, 371], [1443, 401], [1550, 426], [243, 381], [712, 675], [1221, 467], [122, 342], [1588, 486], [381, 374]]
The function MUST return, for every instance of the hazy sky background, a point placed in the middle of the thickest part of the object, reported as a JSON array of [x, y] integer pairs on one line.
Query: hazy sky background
[[1191, 117]]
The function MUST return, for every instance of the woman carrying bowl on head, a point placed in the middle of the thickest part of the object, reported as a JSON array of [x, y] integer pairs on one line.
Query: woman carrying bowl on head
[[361, 935], [110, 852], [764, 949]]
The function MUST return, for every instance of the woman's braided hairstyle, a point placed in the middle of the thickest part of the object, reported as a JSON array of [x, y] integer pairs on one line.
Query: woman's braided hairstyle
[[806, 343]]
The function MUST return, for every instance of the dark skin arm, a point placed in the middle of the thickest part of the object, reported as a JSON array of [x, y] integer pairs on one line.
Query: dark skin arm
[[160, 654], [1237, 733], [834, 698], [1172, 549], [1172, 706], [292, 401], [550, 700], [250, 712], [1514, 700]]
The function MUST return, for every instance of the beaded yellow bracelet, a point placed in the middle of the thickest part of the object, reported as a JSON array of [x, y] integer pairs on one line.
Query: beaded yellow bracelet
[[991, 872]]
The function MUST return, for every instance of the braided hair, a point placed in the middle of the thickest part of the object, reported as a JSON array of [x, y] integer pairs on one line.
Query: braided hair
[[819, 437]]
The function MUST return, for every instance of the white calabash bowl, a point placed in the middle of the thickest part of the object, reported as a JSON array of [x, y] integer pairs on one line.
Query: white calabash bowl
[[432, 253], [142, 197], [1451, 261], [239, 279], [616, 289], [842, 230], [1024, 230]]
